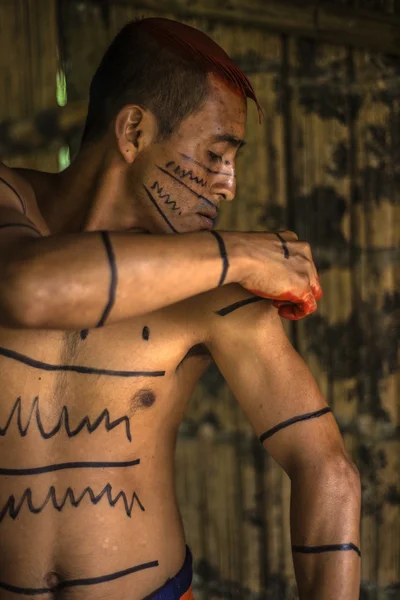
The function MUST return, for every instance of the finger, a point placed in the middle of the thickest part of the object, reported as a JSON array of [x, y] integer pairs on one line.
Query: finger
[[317, 290], [299, 310]]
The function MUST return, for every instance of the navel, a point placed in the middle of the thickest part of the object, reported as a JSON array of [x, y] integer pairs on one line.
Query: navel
[[53, 580]]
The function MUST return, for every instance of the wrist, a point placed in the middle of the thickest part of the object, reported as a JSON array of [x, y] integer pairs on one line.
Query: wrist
[[238, 256]]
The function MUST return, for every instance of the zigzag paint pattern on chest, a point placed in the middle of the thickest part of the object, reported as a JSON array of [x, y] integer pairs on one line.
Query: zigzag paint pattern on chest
[[64, 420], [13, 509]]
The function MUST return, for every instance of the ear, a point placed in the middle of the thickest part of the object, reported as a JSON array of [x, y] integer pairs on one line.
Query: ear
[[135, 130]]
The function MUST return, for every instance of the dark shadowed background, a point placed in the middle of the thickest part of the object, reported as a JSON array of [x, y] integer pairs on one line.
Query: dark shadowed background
[[326, 164]]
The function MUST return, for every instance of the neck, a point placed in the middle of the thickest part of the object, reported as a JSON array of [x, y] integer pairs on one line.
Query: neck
[[89, 195]]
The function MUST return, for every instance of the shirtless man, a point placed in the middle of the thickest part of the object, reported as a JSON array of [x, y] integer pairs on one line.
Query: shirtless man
[[115, 295]]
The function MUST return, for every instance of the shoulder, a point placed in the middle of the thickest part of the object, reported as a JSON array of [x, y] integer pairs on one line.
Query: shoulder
[[16, 192]]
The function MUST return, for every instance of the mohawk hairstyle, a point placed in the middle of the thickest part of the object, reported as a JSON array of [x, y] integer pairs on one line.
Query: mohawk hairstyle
[[161, 65]]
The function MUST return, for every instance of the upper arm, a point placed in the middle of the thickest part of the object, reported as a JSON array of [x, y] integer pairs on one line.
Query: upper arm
[[15, 198], [15, 228], [272, 383]]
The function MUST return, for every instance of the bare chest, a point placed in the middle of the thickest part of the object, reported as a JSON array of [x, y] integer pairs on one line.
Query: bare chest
[[83, 381]]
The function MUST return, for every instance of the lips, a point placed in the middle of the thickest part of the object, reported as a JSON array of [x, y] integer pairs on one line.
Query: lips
[[209, 223], [210, 214]]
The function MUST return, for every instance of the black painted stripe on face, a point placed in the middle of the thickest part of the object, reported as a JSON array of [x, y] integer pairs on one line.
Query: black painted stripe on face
[[77, 582], [229, 309], [204, 166], [305, 417], [26, 225], [114, 278], [326, 548], [187, 187], [70, 465], [37, 364], [159, 210], [16, 193]]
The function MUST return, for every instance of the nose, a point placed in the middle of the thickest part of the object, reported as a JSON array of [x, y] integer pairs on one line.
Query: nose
[[224, 187]]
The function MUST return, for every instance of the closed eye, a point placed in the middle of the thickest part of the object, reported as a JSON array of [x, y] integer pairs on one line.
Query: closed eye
[[215, 158]]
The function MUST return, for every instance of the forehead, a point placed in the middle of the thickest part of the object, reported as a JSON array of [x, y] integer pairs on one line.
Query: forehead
[[224, 112]]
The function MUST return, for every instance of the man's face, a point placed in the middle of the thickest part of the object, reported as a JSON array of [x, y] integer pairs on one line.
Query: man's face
[[184, 179]]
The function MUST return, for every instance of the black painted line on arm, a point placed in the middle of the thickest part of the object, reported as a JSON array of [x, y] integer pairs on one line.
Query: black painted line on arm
[[15, 192], [20, 225], [305, 417], [284, 245], [159, 210], [326, 548], [224, 256], [187, 187], [69, 583], [236, 305], [71, 465], [114, 277], [204, 166], [37, 364]]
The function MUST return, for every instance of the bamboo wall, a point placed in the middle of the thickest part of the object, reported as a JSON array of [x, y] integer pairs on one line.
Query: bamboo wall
[[326, 164]]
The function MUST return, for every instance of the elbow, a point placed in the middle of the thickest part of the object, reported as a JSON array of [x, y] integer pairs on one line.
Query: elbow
[[20, 298], [336, 475], [344, 475]]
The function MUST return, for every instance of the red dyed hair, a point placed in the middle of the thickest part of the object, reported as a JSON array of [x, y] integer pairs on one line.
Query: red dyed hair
[[161, 65]]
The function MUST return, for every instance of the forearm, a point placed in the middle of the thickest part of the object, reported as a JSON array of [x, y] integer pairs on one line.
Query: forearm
[[67, 282], [325, 520]]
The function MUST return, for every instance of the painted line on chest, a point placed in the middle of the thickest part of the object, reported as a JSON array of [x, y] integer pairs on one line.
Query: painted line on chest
[[37, 364], [70, 465]]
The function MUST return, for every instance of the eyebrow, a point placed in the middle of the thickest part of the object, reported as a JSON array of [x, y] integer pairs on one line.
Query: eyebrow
[[231, 139]]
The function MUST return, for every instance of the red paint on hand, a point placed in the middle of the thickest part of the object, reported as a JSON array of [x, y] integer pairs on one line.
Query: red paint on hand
[[290, 306]]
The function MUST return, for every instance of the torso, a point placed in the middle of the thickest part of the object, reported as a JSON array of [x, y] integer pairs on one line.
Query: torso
[[117, 395]]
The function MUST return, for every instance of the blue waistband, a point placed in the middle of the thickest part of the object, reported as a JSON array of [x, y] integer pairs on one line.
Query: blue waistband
[[180, 583]]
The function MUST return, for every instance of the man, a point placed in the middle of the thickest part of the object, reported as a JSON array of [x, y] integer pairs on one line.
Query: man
[[115, 296]]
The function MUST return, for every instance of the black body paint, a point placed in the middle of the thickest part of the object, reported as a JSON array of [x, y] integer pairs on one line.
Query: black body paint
[[114, 278], [204, 166], [224, 256], [187, 187], [20, 225], [70, 465], [284, 244], [84, 333], [183, 173], [63, 420], [37, 364], [236, 305], [159, 210], [146, 333], [13, 509], [165, 196], [305, 417], [16, 193], [69, 583], [326, 548]]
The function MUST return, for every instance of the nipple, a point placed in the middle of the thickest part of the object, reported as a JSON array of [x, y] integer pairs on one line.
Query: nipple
[[142, 399]]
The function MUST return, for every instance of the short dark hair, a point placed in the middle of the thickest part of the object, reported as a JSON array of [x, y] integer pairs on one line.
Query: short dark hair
[[137, 70]]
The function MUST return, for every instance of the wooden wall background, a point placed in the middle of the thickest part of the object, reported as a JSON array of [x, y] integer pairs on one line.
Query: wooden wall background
[[326, 164]]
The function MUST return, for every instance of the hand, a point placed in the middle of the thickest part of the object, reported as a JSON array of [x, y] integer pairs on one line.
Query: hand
[[282, 268]]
